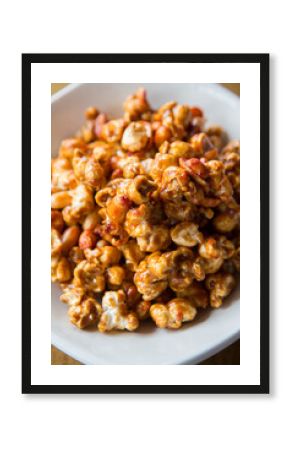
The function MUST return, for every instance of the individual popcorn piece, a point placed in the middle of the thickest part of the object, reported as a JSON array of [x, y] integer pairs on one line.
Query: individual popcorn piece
[[149, 287], [151, 280], [204, 266], [82, 200], [181, 273], [155, 238], [72, 295], [62, 175], [137, 136], [209, 249], [85, 314], [136, 105], [76, 255], [226, 222], [112, 131], [181, 149], [186, 234], [116, 275], [197, 294], [160, 163], [115, 314], [68, 147], [60, 269], [141, 190], [173, 314], [89, 276], [133, 254], [220, 286]]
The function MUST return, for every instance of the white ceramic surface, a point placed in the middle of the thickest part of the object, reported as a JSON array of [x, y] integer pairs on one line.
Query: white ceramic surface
[[211, 331]]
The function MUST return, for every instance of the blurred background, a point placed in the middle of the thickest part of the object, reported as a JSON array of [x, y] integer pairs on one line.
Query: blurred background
[[228, 356]]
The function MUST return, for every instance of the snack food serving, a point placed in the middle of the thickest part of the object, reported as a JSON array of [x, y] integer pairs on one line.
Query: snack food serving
[[145, 217]]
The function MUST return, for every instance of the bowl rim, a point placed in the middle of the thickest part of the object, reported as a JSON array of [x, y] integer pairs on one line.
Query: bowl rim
[[60, 343], [72, 86]]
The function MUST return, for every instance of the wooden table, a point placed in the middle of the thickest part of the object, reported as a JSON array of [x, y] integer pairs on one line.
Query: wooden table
[[228, 356]]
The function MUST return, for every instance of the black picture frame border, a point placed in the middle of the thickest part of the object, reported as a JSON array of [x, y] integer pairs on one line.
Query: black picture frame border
[[255, 58]]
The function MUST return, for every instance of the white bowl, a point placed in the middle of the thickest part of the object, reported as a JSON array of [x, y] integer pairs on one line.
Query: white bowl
[[213, 330]]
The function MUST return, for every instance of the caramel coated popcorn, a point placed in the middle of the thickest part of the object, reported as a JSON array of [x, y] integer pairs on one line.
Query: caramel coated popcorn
[[145, 217]]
